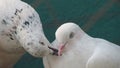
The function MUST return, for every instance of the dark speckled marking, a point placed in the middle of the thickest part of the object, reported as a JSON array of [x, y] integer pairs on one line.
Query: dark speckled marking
[[10, 35], [26, 23], [27, 31], [37, 21], [20, 29], [11, 38], [12, 17], [33, 15], [4, 22], [21, 10], [30, 17], [18, 11], [29, 43], [14, 27], [23, 26], [19, 17], [15, 32]]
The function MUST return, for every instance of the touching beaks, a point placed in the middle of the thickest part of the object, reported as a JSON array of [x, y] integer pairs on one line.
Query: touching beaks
[[55, 51]]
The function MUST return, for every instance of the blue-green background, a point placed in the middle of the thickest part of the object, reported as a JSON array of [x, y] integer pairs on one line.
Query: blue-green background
[[99, 18]]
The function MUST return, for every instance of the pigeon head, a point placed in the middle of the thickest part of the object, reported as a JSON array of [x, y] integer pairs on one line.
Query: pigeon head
[[66, 33]]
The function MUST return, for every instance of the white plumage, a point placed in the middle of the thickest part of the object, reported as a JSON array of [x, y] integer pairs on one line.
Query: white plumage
[[20, 31], [80, 50]]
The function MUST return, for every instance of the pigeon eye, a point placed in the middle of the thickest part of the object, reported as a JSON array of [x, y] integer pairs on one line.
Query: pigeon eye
[[41, 43], [71, 35]]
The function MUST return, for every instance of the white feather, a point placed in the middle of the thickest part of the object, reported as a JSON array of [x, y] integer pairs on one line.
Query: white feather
[[83, 51], [20, 31]]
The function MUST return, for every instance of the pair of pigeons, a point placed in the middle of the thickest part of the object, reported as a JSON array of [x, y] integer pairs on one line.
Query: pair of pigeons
[[21, 31]]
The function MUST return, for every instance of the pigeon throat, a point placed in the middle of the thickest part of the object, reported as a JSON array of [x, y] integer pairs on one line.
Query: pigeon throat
[[60, 49]]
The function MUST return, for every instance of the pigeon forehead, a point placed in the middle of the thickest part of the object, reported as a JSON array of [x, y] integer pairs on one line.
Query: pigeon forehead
[[67, 28], [67, 25]]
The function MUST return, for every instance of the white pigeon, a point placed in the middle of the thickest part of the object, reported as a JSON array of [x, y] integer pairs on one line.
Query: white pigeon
[[80, 50], [20, 31]]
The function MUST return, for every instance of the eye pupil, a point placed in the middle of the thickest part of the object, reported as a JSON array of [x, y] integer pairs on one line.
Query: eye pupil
[[42, 43], [71, 35]]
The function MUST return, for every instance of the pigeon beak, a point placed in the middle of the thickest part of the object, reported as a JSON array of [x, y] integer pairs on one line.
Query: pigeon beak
[[61, 47]]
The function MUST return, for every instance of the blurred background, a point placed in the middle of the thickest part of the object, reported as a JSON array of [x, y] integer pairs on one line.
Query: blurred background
[[98, 18]]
